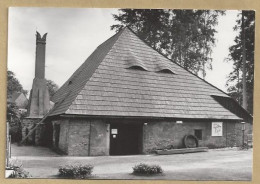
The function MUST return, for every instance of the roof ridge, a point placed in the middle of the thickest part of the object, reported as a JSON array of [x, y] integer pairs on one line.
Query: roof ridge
[[176, 62]]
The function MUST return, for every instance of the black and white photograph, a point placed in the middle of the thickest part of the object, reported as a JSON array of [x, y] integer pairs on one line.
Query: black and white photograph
[[130, 94]]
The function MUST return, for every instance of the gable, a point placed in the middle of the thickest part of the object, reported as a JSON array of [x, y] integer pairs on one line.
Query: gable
[[21, 101]]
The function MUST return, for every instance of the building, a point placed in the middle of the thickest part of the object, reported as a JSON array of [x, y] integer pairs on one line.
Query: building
[[127, 98], [20, 100]]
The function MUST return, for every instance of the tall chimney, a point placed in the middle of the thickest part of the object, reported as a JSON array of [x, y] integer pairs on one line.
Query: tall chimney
[[39, 102], [40, 56]]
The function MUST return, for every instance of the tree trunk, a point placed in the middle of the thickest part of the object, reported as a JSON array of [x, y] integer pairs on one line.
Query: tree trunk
[[244, 63]]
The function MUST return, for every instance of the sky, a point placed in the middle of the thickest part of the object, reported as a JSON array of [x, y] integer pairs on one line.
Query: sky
[[74, 33]]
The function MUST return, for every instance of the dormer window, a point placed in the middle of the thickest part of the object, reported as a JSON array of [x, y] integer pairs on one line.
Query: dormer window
[[166, 70], [133, 62], [163, 67], [137, 67], [157, 65]]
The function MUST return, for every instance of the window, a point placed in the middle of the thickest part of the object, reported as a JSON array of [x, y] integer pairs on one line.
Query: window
[[198, 133], [138, 67], [134, 62], [166, 70]]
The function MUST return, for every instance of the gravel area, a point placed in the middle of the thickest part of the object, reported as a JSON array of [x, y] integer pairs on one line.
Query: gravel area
[[218, 164]]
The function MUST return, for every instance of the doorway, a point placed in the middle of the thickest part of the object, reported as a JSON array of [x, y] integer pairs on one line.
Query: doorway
[[126, 138], [56, 135]]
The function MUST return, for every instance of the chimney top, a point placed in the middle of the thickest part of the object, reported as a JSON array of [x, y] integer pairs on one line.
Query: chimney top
[[40, 39]]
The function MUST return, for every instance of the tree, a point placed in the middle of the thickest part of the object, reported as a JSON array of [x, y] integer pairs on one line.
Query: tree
[[185, 36], [52, 87], [234, 82], [14, 115], [13, 85]]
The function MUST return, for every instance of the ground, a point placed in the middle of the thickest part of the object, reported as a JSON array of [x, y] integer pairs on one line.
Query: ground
[[219, 164]]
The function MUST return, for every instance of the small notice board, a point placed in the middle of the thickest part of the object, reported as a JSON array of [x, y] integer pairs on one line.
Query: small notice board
[[217, 129], [114, 131]]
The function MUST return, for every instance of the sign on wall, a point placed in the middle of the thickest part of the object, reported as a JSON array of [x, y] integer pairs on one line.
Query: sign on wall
[[114, 131], [217, 129]]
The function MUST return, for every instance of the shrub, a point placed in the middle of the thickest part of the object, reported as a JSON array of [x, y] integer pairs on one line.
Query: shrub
[[144, 169], [19, 172], [16, 133], [76, 171]]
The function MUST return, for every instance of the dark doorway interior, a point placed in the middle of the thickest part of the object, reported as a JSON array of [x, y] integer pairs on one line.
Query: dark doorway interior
[[57, 135], [47, 139], [125, 139]]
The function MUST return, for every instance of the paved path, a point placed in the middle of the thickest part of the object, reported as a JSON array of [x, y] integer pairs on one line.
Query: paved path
[[227, 164]]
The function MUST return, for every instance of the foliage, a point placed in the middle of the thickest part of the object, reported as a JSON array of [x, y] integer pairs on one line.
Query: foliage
[[145, 169], [13, 113], [234, 82], [52, 87], [76, 171], [13, 85], [16, 133], [14, 117], [185, 36], [19, 172]]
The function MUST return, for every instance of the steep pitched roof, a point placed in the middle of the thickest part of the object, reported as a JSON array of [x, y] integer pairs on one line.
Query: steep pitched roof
[[15, 95], [19, 99], [126, 77], [64, 97]]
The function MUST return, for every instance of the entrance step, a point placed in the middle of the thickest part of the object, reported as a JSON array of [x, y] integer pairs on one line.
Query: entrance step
[[181, 151]]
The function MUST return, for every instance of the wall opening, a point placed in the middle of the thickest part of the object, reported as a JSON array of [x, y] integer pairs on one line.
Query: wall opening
[[47, 136], [198, 133], [57, 135], [126, 138], [26, 133]]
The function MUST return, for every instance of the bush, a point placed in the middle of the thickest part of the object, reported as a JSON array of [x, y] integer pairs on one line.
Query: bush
[[144, 169], [76, 171], [16, 133], [19, 172]]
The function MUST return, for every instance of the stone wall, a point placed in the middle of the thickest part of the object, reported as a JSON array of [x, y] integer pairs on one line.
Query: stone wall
[[78, 137], [75, 135], [99, 142], [36, 137], [158, 135], [63, 140], [239, 133]]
